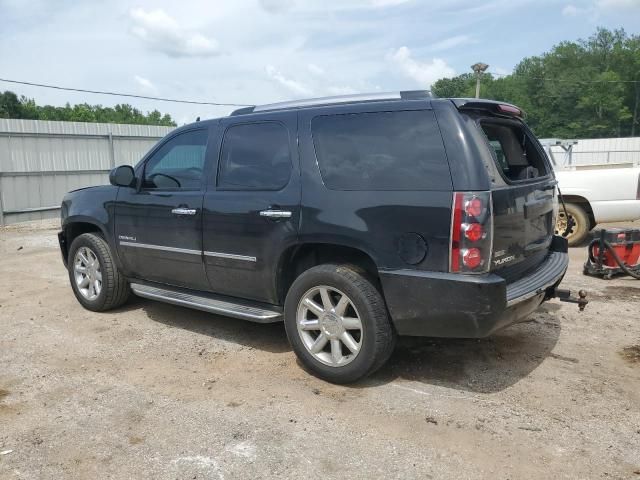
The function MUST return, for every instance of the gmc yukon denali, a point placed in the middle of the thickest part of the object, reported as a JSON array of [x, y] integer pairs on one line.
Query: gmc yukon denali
[[352, 219]]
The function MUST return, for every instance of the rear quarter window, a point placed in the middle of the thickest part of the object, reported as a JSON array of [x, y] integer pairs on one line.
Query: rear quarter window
[[381, 151]]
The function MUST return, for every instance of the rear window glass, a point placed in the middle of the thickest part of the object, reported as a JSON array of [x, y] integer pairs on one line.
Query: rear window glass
[[381, 151], [255, 156], [514, 151]]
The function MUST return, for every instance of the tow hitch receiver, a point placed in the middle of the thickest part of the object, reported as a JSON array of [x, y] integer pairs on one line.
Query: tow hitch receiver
[[565, 296]]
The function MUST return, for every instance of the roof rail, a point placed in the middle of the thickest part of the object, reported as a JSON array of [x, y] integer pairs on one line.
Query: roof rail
[[336, 100]]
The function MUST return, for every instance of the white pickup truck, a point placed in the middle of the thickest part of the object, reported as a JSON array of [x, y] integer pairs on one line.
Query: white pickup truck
[[596, 195]]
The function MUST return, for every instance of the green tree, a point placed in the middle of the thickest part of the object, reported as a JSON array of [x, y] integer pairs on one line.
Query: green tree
[[9, 105], [13, 107], [586, 88]]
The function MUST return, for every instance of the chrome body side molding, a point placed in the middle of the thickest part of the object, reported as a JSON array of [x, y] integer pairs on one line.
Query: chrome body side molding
[[149, 246], [160, 247]]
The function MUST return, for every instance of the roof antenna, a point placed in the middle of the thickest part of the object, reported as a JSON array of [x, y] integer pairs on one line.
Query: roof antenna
[[197, 119]]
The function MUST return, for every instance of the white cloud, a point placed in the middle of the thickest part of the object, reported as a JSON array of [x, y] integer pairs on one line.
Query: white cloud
[[450, 42], [315, 69], [277, 6], [354, 44], [145, 84], [500, 71], [294, 87], [571, 11], [424, 73], [598, 7], [387, 3], [319, 83], [162, 33], [613, 4], [341, 90]]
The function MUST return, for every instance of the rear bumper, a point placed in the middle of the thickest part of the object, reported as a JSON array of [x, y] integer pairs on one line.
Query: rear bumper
[[453, 305]]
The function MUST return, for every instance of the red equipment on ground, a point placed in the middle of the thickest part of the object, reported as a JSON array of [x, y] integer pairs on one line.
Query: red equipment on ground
[[614, 251]]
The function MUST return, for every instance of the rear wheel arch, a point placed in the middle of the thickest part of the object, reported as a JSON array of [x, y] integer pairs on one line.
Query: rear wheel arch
[[302, 257]]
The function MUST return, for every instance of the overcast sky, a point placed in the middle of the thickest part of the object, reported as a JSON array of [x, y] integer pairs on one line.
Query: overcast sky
[[261, 51]]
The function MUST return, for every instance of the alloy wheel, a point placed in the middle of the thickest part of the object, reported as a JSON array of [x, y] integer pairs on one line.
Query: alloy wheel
[[87, 273], [329, 326]]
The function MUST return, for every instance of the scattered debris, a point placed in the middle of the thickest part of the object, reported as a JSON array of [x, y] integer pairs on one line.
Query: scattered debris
[[530, 429], [431, 420], [563, 358], [631, 353]]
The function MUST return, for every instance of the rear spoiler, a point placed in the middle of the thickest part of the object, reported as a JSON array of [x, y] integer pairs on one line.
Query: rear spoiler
[[495, 108]]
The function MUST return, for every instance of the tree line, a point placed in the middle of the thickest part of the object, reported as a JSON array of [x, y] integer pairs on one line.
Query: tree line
[[583, 89], [12, 106]]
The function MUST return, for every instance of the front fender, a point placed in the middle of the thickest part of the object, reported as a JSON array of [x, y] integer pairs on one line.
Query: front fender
[[91, 206]]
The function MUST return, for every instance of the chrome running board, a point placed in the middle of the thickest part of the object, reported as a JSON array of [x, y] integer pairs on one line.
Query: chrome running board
[[210, 303]]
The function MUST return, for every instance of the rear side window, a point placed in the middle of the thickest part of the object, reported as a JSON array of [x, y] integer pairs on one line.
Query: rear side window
[[514, 151], [381, 151], [255, 156]]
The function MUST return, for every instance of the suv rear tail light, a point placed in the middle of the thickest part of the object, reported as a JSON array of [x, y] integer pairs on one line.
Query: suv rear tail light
[[471, 232], [473, 207], [471, 258]]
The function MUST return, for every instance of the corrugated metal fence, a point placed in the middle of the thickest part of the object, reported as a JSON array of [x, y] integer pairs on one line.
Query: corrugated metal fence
[[41, 160], [622, 152]]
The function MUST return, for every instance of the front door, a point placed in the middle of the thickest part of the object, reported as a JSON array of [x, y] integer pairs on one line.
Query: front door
[[159, 224], [251, 208]]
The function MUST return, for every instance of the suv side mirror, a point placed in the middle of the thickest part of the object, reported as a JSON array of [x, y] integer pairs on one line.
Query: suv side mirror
[[122, 176]]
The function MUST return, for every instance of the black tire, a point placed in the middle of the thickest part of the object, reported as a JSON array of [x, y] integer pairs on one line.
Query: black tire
[[582, 226], [378, 336], [115, 288]]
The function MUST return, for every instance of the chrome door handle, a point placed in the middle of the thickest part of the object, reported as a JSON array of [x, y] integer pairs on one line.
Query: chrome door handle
[[184, 211], [275, 213]]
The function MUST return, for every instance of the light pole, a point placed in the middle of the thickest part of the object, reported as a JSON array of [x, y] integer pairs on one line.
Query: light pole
[[479, 68]]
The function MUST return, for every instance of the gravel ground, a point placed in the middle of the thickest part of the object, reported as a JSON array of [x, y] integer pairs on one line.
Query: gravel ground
[[161, 392]]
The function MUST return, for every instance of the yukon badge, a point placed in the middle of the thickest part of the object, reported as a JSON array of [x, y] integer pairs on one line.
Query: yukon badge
[[502, 261], [126, 237]]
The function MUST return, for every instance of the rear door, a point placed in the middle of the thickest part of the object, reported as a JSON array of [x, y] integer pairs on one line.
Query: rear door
[[251, 208], [523, 192]]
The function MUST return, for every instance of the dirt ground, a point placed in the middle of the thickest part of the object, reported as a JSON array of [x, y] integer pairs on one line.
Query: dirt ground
[[161, 392]]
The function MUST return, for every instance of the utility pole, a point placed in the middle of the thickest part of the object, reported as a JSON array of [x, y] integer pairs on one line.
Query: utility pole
[[479, 68]]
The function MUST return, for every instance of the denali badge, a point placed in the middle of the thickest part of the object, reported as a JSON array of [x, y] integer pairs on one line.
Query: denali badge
[[126, 237]]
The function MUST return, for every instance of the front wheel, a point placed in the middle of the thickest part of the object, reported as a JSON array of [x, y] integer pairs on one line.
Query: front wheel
[[337, 323], [95, 279]]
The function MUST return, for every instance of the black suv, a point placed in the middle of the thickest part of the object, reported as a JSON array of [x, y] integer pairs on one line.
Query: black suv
[[353, 219]]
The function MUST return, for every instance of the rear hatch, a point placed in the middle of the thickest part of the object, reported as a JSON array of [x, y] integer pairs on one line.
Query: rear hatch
[[523, 193]]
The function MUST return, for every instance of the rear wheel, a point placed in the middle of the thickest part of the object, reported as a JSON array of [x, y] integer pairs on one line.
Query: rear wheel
[[95, 279], [581, 225], [338, 324]]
